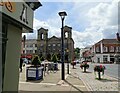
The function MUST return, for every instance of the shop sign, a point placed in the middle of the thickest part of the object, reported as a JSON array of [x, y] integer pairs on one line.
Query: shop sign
[[19, 11]]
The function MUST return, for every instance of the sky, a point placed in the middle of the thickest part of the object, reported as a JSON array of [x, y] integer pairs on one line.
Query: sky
[[90, 21]]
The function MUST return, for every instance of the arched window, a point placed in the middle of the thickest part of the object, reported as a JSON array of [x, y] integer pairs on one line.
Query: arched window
[[66, 35], [42, 36]]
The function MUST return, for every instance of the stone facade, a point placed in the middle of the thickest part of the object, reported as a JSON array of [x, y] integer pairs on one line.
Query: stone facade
[[47, 47]]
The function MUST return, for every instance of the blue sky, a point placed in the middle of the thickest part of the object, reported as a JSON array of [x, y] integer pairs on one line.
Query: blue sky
[[90, 21], [50, 10]]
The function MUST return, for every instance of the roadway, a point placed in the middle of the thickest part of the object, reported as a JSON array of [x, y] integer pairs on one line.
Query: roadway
[[111, 69]]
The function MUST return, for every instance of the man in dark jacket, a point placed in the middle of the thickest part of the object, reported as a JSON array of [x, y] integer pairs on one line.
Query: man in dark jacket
[[21, 63]]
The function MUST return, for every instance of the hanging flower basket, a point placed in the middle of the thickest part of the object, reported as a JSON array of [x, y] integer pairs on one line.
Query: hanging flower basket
[[99, 69], [84, 66]]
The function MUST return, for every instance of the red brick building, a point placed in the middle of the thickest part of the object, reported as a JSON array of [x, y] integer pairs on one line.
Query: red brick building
[[106, 50]]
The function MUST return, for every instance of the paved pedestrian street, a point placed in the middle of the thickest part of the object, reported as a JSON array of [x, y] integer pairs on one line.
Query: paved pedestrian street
[[90, 79], [52, 82], [75, 81]]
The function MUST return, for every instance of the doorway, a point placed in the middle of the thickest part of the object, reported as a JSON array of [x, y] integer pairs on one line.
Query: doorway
[[4, 43]]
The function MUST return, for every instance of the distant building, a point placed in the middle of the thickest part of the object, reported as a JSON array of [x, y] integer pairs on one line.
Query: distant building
[[106, 50], [85, 53], [30, 47], [46, 47]]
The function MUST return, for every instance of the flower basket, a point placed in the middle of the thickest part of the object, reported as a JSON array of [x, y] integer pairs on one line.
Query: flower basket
[[35, 71], [99, 69], [73, 64], [85, 66]]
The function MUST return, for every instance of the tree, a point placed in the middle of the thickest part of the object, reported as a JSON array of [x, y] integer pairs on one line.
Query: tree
[[54, 58], [77, 52], [42, 58], [36, 61]]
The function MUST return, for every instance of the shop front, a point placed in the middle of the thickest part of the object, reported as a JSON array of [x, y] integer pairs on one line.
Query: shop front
[[16, 18]]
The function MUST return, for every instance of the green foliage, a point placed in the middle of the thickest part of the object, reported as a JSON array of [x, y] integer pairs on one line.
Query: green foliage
[[54, 58], [36, 61], [42, 58], [77, 52]]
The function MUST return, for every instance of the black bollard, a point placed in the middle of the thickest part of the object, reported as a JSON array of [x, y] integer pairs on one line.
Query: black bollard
[[99, 76], [84, 69]]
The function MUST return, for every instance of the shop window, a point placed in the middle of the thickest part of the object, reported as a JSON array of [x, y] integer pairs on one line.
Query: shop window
[[97, 49], [117, 49], [111, 49], [105, 49], [105, 58]]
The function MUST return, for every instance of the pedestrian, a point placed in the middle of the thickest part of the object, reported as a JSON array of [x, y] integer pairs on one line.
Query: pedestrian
[[21, 63]]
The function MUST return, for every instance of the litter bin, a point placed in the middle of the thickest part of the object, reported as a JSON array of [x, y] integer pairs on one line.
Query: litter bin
[[33, 73]]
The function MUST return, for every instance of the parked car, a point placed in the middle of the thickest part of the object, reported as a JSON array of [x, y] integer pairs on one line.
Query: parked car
[[76, 61], [25, 60]]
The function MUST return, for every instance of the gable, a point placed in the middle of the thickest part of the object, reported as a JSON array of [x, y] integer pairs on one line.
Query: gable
[[54, 38]]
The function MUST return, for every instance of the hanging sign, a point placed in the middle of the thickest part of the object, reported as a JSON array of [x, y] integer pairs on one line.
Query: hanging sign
[[19, 11]]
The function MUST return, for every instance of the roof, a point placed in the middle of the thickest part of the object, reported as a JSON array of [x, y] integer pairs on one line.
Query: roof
[[54, 37], [107, 41], [42, 29]]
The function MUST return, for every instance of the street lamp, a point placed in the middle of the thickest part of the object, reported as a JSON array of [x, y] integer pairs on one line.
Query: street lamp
[[24, 40], [116, 54], [67, 60], [62, 15]]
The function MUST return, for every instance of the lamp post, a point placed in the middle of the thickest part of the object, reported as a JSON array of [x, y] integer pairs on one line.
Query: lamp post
[[24, 40], [117, 57], [67, 61], [62, 15], [67, 52]]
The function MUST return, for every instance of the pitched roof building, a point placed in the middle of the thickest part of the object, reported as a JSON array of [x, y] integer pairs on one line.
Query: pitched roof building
[[50, 46], [106, 50]]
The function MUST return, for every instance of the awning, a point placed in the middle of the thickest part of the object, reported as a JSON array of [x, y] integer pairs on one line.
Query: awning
[[26, 56]]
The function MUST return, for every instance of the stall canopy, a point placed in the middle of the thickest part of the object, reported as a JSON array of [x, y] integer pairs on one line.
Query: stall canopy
[[27, 56]]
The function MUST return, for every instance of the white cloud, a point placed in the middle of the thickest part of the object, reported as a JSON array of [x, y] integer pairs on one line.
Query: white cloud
[[105, 17], [103, 23]]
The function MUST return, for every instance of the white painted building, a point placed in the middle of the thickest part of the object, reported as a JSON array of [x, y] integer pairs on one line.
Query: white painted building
[[105, 51], [30, 47], [82, 50]]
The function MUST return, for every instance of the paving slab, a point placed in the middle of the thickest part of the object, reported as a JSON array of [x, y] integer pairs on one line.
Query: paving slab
[[52, 82], [105, 84]]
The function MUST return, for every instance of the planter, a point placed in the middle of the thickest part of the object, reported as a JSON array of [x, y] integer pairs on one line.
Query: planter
[[73, 64], [84, 66], [84, 69], [55, 66], [34, 73], [99, 69]]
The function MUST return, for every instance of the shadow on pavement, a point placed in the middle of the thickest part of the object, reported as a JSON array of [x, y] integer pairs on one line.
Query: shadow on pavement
[[74, 86], [86, 72], [107, 80], [34, 81]]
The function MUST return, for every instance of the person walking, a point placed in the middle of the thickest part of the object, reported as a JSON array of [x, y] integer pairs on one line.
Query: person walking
[[21, 63]]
